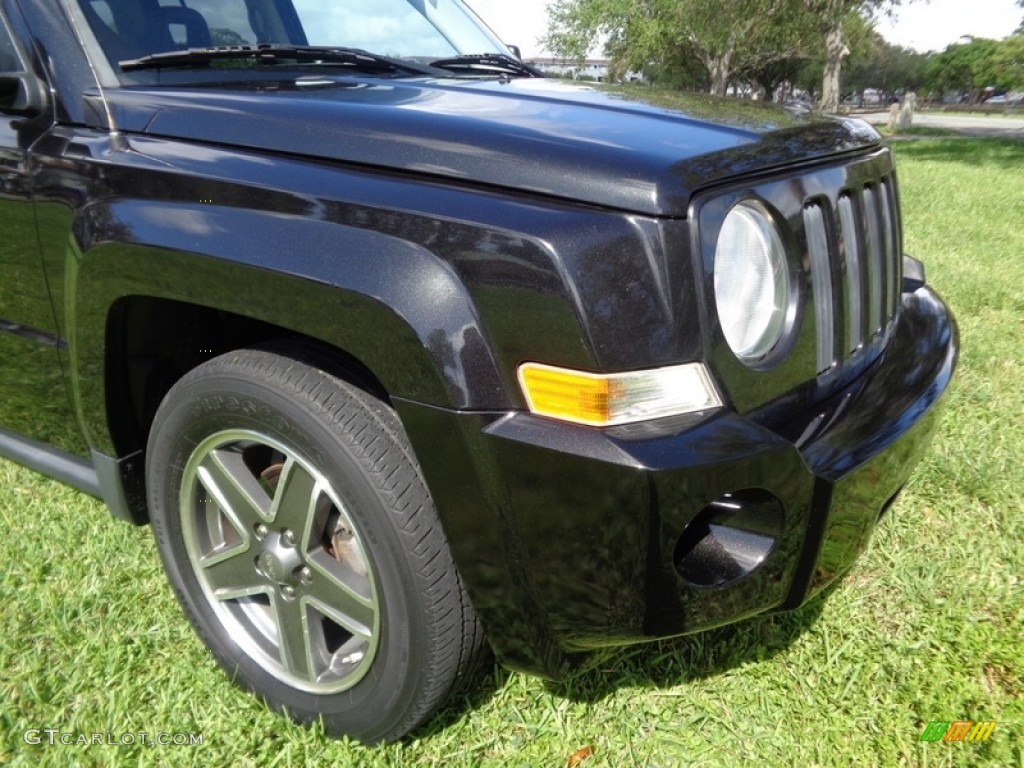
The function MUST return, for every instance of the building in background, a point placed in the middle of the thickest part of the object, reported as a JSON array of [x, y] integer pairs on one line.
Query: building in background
[[595, 70]]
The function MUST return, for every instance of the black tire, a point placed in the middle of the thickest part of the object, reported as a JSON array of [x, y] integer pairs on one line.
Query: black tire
[[299, 537]]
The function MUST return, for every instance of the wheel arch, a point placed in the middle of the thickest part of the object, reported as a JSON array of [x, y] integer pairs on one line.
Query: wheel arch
[[388, 305], [140, 316], [150, 343], [384, 299]]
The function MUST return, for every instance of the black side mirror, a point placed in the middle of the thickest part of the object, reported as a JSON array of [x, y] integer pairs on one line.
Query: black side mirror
[[22, 93], [516, 51]]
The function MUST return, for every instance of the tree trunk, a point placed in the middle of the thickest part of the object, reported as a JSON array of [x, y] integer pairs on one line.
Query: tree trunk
[[835, 52], [719, 69]]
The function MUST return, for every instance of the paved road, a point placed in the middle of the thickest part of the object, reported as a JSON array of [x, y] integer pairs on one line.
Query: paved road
[[969, 125]]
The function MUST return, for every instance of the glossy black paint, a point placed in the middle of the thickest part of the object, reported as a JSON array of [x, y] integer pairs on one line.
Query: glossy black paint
[[566, 534], [572, 142], [32, 385], [791, 382], [424, 237]]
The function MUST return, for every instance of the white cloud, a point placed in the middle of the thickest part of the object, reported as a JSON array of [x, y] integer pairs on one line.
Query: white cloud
[[934, 25], [521, 23]]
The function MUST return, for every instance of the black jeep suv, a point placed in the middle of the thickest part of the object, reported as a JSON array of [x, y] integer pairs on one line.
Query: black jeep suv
[[395, 342]]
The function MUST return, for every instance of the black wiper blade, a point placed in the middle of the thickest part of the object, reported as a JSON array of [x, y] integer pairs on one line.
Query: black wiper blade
[[488, 64], [352, 57]]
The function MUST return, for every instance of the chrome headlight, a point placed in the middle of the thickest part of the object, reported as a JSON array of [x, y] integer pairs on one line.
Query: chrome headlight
[[752, 286]]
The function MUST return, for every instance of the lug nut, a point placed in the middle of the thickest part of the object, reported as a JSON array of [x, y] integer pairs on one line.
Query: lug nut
[[261, 531], [288, 591], [306, 574], [288, 538]]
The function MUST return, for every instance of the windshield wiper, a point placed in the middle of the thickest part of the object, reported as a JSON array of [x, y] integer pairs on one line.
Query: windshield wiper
[[350, 57], [488, 64]]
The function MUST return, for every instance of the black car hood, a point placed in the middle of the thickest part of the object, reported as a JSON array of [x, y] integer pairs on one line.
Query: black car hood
[[634, 149]]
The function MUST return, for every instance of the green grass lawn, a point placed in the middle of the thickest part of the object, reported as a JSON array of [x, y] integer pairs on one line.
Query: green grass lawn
[[917, 131], [929, 625]]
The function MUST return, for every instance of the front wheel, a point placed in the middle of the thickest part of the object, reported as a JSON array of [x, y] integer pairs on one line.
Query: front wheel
[[300, 539]]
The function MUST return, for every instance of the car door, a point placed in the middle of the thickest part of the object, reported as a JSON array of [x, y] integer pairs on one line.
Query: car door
[[33, 398]]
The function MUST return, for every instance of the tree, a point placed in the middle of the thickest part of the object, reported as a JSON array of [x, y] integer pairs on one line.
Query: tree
[[832, 16], [785, 47], [761, 40], [632, 30], [225, 36], [770, 76], [680, 69], [725, 36], [964, 67], [1008, 63], [876, 63]]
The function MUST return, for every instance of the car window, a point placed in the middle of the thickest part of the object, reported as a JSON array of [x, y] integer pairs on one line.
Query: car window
[[394, 27], [230, 22], [391, 27], [421, 29]]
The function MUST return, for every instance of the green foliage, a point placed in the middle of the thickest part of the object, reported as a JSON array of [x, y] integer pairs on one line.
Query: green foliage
[[751, 41], [1008, 63], [225, 36], [786, 47], [967, 67], [817, 44], [682, 69], [879, 64], [860, 39], [833, 18], [726, 36]]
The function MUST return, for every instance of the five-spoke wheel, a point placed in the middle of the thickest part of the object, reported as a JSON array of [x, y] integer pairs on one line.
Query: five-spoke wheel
[[279, 560], [300, 538]]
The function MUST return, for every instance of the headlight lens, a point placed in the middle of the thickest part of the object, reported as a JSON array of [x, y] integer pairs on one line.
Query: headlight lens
[[752, 286]]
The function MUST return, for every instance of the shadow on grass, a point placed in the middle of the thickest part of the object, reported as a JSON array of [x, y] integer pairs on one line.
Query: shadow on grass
[[1003, 153], [682, 660], [660, 664], [917, 131]]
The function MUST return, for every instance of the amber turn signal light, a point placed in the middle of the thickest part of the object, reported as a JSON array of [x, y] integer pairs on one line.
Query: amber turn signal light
[[608, 399]]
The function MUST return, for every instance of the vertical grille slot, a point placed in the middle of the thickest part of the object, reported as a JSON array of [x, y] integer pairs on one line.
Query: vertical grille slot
[[854, 253], [821, 281], [853, 250], [894, 268], [876, 261]]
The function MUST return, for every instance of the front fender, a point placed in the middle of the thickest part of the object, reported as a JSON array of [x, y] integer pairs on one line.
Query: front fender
[[390, 303]]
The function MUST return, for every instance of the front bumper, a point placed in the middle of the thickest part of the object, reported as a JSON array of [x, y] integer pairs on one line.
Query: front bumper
[[570, 538]]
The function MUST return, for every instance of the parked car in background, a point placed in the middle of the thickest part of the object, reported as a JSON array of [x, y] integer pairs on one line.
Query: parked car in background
[[1007, 99]]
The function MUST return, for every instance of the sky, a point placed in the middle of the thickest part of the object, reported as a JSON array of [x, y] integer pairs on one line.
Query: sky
[[922, 25]]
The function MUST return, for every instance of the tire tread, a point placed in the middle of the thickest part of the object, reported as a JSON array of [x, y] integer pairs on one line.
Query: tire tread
[[370, 431]]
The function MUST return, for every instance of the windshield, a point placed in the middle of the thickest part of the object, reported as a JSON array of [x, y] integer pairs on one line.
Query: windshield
[[419, 30]]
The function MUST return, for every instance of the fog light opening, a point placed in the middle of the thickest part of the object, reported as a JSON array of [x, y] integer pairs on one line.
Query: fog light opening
[[729, 539]]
